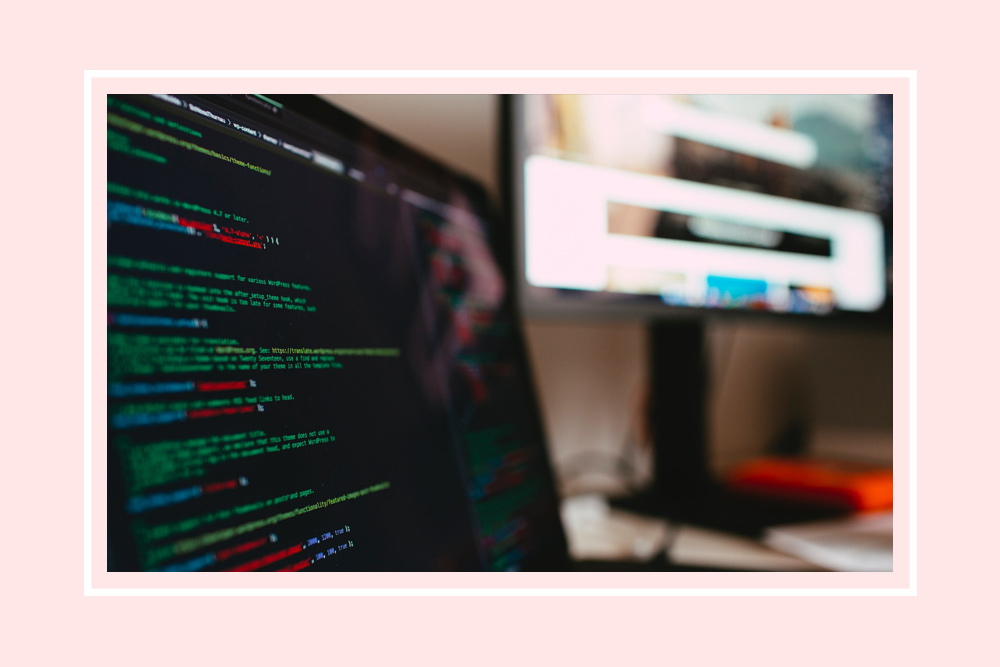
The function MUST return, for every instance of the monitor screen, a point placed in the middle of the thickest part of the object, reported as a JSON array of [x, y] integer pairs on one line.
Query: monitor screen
[[659, 203], [311, 361]]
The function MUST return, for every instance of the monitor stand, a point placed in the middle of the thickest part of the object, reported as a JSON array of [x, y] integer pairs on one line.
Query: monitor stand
[[684, 488]]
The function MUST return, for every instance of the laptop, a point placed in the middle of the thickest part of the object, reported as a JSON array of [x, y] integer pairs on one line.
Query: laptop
[[313, 363]]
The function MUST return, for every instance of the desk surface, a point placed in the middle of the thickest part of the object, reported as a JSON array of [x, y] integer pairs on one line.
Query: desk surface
[[597, 532]]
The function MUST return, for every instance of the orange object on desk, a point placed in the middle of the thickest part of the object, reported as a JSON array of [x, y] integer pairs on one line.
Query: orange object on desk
[[855, 486]]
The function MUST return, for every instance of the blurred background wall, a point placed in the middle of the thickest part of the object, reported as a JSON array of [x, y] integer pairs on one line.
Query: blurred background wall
[[589, 375]]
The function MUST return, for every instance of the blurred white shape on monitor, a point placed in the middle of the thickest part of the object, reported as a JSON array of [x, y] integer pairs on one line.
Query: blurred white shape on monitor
[[731, 133], [566, 248], [568, 244], [861, 249]]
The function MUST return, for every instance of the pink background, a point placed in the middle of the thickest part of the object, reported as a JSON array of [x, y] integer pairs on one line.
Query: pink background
[[51, 621], [898, 579]]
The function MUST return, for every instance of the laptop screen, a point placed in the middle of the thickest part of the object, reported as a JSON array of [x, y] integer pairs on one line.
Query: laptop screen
[[311, 360]]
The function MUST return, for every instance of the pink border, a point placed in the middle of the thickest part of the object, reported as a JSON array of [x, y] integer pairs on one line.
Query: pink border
[[898, 579]]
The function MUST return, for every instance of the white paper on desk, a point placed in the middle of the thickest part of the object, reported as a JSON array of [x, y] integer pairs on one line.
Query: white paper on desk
[[857, 544], [596, 531]]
